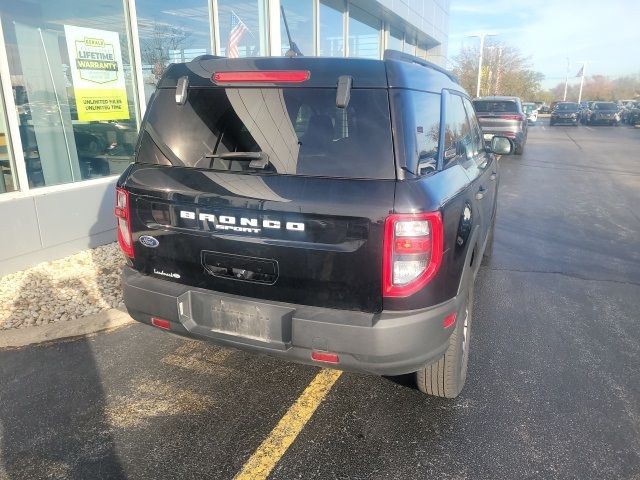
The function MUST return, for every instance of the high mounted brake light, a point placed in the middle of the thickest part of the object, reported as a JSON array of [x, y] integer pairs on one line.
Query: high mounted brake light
[[262, 76], [123, 217], [412, 252]]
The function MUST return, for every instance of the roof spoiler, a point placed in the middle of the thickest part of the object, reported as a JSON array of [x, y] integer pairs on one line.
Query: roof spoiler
[[405, 57]]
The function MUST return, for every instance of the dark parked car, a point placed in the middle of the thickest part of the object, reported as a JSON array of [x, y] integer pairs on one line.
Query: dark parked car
[[503, 116], [633, 113], [272, 207], [566, 113], [603, 113]]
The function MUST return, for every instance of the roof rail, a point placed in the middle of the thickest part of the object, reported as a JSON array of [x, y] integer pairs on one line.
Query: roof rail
[[206, 56], [405, 57]]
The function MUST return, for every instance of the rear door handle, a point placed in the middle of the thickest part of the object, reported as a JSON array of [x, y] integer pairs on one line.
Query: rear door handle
[[481, 192], [493, 175]]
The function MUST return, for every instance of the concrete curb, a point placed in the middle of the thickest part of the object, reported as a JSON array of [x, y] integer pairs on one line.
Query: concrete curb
[[105, 320]]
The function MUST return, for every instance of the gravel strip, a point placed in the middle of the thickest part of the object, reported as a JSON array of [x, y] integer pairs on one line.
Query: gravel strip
[[73, 287]]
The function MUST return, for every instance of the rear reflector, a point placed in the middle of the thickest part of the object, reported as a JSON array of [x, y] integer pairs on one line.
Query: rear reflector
[[325, 357], [520, 118], [262, 76], [160, 323], [449, 320]]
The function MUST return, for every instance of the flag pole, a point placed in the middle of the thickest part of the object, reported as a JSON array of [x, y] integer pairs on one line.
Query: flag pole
[[584, 66], [245, 25], [566, 82]]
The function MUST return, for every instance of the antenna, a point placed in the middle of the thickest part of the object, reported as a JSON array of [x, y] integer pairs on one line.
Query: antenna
[[293, 51]]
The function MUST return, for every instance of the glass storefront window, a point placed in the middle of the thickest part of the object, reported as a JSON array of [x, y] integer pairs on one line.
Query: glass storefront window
[[300, 19], [72, 81], [395, 41], [243, 28], [364, 34], [8, 178], [331, 28], [170, 32], [410, 45]]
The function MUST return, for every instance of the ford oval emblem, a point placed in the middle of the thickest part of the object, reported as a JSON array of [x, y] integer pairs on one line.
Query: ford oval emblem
[[149, 241]]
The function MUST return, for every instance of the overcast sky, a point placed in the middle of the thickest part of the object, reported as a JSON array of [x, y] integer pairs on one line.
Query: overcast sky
[[604, 32]]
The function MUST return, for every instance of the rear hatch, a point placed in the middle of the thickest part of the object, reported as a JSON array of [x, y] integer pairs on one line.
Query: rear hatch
[[266, 189], [499, 116]]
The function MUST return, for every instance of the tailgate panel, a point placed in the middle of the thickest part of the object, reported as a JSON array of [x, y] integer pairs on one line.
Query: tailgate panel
[[302, 240]]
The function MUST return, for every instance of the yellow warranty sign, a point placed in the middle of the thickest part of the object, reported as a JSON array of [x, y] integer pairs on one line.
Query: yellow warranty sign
[[97, 73]]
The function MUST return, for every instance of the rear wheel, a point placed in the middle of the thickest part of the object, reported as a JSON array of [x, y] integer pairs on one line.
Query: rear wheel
[[519, 149], [446, 377]]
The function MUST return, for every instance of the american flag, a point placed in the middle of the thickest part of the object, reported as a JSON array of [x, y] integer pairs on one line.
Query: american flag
[[238, 29]]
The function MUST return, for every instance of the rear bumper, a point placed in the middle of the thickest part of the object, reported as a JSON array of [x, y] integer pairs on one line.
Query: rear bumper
[[517, 137], [564, 121], [388, 343]]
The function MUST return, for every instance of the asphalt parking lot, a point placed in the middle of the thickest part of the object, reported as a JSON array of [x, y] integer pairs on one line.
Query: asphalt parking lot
[[554, 380]]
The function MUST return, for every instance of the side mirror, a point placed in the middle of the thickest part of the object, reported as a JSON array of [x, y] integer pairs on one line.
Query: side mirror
[[501, 145]]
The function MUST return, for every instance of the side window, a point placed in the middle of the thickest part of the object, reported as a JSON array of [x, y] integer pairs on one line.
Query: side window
[[457, 134], [477, 139], [427, 118]]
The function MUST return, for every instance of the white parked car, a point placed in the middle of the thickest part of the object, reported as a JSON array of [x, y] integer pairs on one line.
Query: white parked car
[[531, 111]]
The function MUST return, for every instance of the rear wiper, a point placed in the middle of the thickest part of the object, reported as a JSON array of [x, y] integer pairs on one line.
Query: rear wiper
[[257, 159]]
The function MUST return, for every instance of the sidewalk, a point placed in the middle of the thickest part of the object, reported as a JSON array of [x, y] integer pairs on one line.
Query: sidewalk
[[106, 320]]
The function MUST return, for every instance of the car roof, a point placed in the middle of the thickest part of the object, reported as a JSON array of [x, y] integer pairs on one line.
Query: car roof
[[396, 71], [498, 98]]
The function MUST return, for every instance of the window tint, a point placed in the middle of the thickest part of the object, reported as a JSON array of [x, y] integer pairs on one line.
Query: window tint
[[605, 106], [300, 130], [457, 134], [486, 106], [477, 140], [417, 115]]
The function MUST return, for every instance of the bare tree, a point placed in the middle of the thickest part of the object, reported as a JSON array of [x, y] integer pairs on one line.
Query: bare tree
[[505, 71], [599, 87], [155, 48]]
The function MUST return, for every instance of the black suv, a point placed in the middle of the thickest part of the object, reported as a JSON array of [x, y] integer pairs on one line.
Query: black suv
[[327, 211], [603, 112], [567, 113]]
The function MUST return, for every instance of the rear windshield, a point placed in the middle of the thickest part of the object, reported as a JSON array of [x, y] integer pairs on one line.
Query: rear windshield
[[490, 106], [605, 106], [299, 130], [528, 108], [567, 107]]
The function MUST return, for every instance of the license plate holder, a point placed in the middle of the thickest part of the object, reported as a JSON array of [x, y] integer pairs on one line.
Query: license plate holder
[[236, 319]]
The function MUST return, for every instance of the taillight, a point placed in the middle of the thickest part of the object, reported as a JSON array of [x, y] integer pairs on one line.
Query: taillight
[[520, 118], [262, 76], [123, 217], [412, 252]]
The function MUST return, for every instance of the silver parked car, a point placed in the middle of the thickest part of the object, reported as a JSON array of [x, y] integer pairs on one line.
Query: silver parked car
[[502, 116]]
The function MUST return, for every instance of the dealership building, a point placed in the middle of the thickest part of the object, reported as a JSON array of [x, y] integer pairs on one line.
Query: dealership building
[[76, 76]]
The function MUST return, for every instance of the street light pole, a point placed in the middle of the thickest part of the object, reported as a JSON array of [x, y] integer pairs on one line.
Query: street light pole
[[566, 82], [482, 36]]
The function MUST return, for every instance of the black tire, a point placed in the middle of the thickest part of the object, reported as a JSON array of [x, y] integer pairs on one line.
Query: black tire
[[518, 150], [446, 377]]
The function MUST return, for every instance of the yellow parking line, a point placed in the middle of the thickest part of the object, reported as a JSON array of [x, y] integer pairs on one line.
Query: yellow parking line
[[269, 453]]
